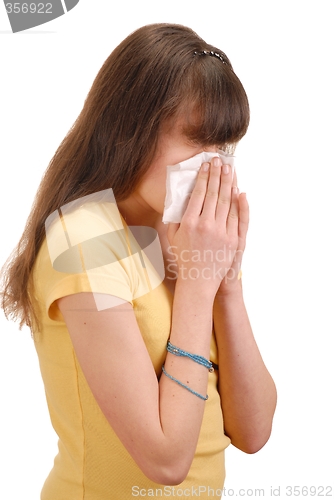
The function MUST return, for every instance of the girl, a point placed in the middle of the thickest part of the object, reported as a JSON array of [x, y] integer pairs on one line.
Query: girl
[[149, 373]]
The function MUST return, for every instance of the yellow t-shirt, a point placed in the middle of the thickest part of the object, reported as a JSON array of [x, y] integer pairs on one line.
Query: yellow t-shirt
[[89, 248]]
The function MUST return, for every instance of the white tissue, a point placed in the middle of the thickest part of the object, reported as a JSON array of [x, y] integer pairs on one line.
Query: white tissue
[[181, 179]]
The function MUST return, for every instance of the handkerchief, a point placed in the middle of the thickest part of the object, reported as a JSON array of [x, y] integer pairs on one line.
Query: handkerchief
[[181, 179]]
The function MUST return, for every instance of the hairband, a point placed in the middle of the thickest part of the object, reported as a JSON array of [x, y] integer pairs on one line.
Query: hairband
[[210, 53]]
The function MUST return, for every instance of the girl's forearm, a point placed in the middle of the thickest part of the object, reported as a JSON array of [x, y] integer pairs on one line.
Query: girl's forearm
[[247, 391], [181, 412]]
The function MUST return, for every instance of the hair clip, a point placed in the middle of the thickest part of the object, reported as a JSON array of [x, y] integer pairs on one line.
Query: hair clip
[[210, 53]]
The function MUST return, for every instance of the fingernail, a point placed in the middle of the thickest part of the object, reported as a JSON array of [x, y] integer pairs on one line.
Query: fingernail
[[226, 169], [217, 162], [205, 167], [235, 190]]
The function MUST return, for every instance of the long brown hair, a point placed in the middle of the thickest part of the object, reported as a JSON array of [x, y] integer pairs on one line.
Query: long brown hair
[[151, 77]]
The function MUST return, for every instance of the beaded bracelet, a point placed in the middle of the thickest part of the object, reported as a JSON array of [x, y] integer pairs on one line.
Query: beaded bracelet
[[184, 385], [195, 357]]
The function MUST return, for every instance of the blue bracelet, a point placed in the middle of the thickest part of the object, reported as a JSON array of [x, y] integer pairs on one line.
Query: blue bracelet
[[184, 385], [195, 357]]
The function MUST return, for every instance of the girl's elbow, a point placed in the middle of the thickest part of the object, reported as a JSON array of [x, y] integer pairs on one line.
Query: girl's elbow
[[250, 448], [172, 477], [171, 474], [252, 444]]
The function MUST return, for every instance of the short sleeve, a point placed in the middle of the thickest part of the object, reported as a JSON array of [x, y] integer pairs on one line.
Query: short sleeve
[[89, 248]]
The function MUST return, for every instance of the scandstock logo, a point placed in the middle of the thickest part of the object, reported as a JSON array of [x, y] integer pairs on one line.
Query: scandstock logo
[[25, 15]]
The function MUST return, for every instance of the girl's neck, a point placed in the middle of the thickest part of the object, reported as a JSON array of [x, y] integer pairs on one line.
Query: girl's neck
[[136, 213]]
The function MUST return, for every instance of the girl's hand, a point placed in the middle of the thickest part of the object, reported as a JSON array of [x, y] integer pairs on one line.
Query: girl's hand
[[231, 280], [207, 239]]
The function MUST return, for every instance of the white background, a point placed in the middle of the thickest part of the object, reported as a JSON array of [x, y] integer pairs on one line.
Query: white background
[[283, 53]]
